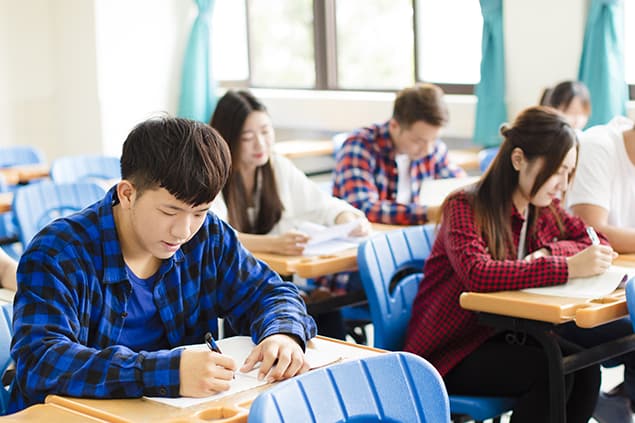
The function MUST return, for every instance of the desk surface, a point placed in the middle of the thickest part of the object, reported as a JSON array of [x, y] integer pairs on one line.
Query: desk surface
[[586, 313], [304, 148], [234, 408], [311, 267], [49, 413], [24, 173]]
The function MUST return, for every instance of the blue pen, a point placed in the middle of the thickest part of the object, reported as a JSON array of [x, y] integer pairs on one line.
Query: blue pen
[[592, 235], [211, 344]]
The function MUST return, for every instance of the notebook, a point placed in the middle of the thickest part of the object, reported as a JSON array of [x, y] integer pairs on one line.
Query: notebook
[[591, 287], [239, 347]]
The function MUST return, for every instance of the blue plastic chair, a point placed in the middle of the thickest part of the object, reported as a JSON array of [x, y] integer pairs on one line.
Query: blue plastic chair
[[85, 169], [6, 332], [20, 155], [391, 267], [485, 157], [36, 205], [391, 387]]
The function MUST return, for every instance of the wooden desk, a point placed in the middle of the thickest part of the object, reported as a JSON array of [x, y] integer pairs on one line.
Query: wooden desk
[[304, 148], [49, 413], [538, 316], [24, 173], [311, 267], [234, 408]]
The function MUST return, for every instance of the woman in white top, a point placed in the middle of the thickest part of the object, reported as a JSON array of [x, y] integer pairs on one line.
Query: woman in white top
[[266, 196]]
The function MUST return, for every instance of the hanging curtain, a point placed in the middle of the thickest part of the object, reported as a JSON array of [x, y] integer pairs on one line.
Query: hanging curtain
[[197, 100], [491, 109], [602, 61]]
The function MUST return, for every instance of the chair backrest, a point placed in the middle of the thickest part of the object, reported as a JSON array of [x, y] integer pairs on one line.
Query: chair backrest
[[35, 205], [486, 156], [390, 268], [391, 387], [85, 168], [6, 332], [630, 299], [20, 155]]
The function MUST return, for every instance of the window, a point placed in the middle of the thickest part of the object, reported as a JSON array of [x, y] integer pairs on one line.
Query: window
[[374, 44], [348, 44], [281, 43], [446, 54]]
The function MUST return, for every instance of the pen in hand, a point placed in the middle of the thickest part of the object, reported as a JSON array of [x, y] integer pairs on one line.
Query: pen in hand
[[592, 235], [211, 344]]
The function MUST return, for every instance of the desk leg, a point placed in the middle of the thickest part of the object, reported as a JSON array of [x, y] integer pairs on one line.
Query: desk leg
[[549, 342]]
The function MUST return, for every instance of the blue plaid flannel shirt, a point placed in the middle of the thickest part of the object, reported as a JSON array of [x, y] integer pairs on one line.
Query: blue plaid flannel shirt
[[71, 303]]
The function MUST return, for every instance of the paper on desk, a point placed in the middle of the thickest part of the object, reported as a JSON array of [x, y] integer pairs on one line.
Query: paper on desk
[[591, 287], [328, 240], [239, 347], [434, 191]]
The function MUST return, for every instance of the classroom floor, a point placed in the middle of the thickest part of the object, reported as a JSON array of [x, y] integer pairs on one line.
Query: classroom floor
[[610, 376]]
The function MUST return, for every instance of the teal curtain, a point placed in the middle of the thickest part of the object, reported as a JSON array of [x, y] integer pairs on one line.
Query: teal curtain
[[491, 108], [197, 100], [602, 61]]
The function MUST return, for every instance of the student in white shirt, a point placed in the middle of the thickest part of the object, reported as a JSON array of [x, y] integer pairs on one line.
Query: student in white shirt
[[266, 196], [603, 195]]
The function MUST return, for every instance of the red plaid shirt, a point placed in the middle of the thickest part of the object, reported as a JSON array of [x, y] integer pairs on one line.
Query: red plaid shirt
[[443, 332], [366, 176]]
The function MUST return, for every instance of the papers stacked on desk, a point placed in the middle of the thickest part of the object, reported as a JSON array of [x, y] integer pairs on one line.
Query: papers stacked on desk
[[239, 347], [329, 240], [591, 287]]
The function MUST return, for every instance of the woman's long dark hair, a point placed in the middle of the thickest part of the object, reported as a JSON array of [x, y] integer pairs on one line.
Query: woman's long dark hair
[[228, 119], [541, 133]]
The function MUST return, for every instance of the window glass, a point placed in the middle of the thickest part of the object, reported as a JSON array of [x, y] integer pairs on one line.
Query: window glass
[[281, 43], [449, 41], [229, 41], [375, 47]]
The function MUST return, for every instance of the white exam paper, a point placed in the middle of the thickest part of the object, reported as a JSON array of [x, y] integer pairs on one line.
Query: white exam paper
[[591, 287]]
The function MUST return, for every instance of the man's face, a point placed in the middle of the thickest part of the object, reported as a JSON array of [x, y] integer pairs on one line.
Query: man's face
[[417, 140], [161, 224]]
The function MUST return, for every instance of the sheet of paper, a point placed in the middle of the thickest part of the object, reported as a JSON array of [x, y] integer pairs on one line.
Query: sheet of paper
[[239, 347], [434, 191], [329, 240], [591, 287]]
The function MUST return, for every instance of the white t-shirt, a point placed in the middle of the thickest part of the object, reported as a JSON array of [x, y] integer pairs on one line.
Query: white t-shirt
[[605, 176], [303, 200], [404, 190]]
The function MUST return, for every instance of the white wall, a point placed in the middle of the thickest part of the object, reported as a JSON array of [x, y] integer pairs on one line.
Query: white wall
[[76, 75]]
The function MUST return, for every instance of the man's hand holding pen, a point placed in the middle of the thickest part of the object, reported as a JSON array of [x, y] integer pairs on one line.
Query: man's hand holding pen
[[204, 373]]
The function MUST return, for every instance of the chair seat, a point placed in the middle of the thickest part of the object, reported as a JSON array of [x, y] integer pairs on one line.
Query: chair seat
[[480, 408]]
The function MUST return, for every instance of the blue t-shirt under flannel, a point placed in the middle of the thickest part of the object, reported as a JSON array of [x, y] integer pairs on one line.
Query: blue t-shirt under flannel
[[73, 293]]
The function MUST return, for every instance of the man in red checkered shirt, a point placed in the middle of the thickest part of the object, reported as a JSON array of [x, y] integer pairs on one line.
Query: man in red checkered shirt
[[380, 168]]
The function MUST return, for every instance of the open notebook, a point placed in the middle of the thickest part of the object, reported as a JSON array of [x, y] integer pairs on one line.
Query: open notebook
[[592, 287], [329, 240], [239, 347]]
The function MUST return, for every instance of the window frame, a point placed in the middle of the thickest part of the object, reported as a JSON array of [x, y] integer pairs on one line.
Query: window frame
[[325, 54]]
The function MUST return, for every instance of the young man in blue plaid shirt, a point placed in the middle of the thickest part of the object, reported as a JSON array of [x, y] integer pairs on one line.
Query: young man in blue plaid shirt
[[105, 294]]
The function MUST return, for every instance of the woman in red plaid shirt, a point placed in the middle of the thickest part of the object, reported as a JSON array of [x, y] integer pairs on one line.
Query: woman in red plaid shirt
[[507, 232]]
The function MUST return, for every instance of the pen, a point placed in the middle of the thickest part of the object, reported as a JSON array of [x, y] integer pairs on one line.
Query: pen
[[211, 344], [592, 235]]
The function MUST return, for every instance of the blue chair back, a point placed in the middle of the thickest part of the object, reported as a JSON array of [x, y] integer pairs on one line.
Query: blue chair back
[[6, 332], [391, 267], [486, 156], [36, 205], [85, 169], [20, 155], [630, 299], [391, 387]]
